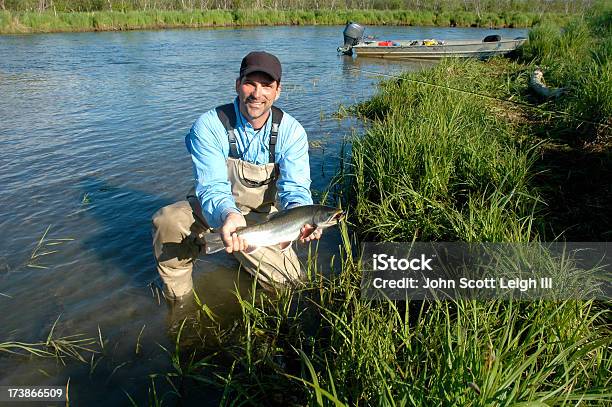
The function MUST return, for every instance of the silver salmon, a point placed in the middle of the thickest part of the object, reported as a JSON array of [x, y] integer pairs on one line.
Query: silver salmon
[[281, 228]]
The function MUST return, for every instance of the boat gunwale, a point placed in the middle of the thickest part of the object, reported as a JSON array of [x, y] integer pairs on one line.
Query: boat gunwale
[[450, 43]]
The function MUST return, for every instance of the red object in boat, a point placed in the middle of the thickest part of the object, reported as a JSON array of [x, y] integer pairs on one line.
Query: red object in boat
[[385, 43]]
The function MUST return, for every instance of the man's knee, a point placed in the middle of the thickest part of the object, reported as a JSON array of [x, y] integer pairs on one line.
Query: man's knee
[[173, 242], [168, 216]]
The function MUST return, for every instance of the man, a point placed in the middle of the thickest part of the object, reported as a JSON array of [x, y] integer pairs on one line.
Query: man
[[249, 158]]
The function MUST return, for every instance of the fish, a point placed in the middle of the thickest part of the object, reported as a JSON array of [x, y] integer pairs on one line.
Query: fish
[[281, 228]]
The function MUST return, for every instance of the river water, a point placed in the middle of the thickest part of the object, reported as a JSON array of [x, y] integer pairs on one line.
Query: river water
[[91, 134]]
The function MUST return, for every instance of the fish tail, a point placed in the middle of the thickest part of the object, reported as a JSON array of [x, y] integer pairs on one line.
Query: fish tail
[[214, 243]]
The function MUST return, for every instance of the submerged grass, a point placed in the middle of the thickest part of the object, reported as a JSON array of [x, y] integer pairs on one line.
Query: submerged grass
[[59, 347], [31, 22], [43, 248], [434, 164]]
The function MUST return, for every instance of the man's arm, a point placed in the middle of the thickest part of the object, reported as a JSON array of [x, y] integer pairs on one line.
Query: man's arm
[[207, 144], [293, 184]]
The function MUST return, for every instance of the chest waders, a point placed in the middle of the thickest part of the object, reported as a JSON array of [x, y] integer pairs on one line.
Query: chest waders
[[253, 185], [254, 191], [177, 228]]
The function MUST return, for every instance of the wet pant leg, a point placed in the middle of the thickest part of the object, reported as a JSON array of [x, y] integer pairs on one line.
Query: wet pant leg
[[175, 245]]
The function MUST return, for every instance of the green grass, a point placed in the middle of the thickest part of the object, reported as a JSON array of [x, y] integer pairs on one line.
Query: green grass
[[58, 347], [45, 246], [437, 164], [578, 58], [49, 21], [325, 345]]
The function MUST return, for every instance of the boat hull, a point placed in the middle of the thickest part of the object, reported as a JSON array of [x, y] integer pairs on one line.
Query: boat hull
[[481, 50]]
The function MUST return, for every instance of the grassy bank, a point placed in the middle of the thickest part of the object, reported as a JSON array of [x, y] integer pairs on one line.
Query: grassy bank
[[49, 21], [435, 164], [578, 59], [575, 160], [474, 168]]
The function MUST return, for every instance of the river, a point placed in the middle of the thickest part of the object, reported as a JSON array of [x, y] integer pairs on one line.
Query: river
[[91, 132]]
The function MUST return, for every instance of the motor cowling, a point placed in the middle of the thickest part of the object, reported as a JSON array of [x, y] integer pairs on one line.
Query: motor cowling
[[353, 34], [492, 38]]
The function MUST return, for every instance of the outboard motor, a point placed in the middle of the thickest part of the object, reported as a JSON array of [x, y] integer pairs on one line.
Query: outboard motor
[[492, 38], [353, 33]]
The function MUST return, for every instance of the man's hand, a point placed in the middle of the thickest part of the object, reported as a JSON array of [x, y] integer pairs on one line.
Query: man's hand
[[309, 233], [233, 242]]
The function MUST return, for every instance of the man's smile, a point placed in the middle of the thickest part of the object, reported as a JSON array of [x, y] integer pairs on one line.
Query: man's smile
[[256, 93]]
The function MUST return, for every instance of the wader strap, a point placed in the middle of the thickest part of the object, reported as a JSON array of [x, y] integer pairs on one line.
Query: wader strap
[[277, 116], [227, 116]]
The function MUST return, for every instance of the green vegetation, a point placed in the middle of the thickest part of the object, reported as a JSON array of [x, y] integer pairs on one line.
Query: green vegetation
[[105, 15], [44, 248], [349, 351], [575, 158], [59, 347], [477, 6], [49, 21], [578, 58], [439, 164]]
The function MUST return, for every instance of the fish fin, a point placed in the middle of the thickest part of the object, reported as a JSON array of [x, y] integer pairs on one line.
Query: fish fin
[[284, 246], [251, 249], [214, 243], [272, 215]]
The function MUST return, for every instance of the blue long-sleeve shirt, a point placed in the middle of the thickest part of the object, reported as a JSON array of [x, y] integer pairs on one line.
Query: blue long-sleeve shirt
[[209, 148]]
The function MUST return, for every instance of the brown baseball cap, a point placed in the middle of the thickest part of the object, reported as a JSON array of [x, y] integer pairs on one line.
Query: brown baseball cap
[[260, 61]]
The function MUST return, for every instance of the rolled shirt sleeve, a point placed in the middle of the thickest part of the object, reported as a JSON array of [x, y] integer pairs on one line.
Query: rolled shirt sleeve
[[207, 144]]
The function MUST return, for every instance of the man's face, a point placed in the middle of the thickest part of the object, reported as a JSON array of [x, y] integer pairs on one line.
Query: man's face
[[256, 93]]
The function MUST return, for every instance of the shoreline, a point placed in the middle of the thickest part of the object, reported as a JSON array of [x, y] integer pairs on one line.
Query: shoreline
[[102, 21]]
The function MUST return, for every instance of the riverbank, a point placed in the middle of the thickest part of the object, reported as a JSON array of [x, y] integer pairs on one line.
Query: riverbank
[[49, 21], [436, 164], [476, 167]]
